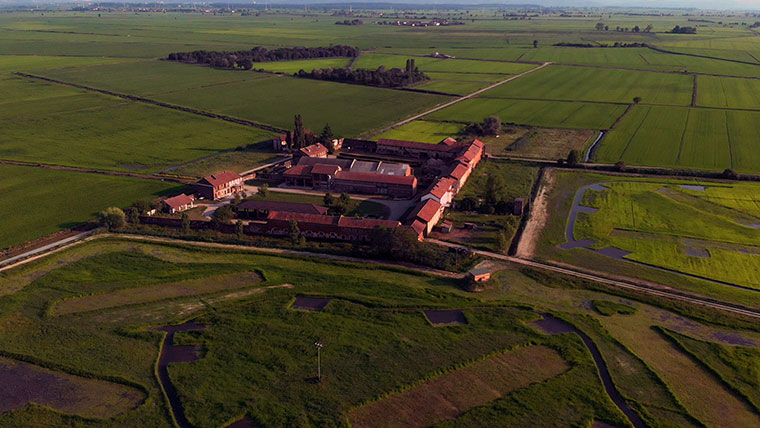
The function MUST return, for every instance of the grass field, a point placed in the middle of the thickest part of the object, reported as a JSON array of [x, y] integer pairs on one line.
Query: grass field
[[661, 226], [290, 67], [349, 109], [453, 393], [424, 131], [685, 138], [364, 337], [147, 78], [534, 113], [64, 126], [137, 295], [727, 92], [591, 84], [40, 201], [564, 186]]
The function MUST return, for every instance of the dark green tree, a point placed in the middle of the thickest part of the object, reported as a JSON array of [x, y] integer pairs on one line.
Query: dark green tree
[[573, 158], [299, 133], [239, 232], [185, 223], [112, 218], [328, 199]]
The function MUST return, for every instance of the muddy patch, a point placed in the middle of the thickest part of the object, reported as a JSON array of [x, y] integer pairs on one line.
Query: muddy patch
[[586, 243], [702, 253], [693, 187], [24, 383], [446, 317], [316, 304], [613, 252]]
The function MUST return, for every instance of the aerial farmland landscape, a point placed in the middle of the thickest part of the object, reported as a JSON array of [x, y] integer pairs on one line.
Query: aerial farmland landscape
[[377, 215]]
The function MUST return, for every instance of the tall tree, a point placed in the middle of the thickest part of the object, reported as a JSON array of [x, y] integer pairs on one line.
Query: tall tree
[[299, 133]]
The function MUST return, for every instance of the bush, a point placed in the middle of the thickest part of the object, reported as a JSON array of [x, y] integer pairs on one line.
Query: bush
[[112, 218]]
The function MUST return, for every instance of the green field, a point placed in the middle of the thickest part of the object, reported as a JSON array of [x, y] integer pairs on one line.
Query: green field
[[535, 113], [663, 225], [290, 67], [349, 109], [424, 131], [373, 346], [40, 201], [591, 84], [147, 78], [727, 92], [685, 138], [67, 126]]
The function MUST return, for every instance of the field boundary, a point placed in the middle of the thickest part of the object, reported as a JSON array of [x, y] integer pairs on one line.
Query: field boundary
[[226, 118], [91, 171], [457, 100]]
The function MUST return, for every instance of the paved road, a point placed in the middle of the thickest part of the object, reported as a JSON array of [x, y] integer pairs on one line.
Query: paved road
[[727, 307], [25, 257], [460, 99]]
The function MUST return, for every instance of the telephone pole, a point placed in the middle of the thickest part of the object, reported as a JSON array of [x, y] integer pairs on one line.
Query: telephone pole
[[319, 360]]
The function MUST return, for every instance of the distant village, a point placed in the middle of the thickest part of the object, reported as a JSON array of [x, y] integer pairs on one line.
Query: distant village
[[427, 176]]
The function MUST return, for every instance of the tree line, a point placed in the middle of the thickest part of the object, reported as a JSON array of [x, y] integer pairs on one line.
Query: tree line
[[245, 59], [382, 77]]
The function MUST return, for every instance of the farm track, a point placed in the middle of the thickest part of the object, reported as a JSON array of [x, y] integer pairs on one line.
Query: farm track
[[135, 98], [458, 100], [91, 171], [663, 292]]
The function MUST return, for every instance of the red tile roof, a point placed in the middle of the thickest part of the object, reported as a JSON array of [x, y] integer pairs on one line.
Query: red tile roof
[[442, 186], [426, 210], [459, 171], [305, 218], [299, 170], [408, 180], [366, 223], [418, 226], [314, 150], [292, 207], [220, 178], [414, 145], [321, 168], [178, 201], [449, 142]]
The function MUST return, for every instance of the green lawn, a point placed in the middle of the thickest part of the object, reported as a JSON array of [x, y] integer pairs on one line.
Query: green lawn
[[291, 67], [40, 201]]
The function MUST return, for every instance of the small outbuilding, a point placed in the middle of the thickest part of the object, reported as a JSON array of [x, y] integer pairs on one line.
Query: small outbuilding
[[518, 207], [479, 275]]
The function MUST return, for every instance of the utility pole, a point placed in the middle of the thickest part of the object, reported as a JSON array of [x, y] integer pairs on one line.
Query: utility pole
[[319, 360]]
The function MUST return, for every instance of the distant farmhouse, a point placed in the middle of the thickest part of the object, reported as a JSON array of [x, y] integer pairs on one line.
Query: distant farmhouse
[[179, 203], [219, 185]]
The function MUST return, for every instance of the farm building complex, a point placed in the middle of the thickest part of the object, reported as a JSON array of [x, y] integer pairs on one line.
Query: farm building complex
[[386, 175]]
